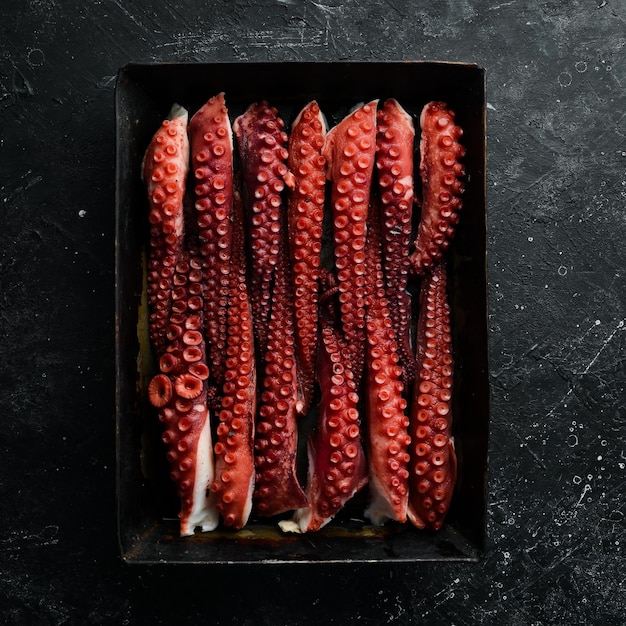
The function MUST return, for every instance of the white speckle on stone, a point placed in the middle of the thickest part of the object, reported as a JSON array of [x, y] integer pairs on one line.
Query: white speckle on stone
[[565, 79]]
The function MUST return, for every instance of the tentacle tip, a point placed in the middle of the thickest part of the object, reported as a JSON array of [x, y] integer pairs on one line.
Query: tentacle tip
[[178, 110], [289, 526]]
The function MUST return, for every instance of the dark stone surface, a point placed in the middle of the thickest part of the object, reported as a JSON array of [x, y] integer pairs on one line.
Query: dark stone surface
[[557, 224]]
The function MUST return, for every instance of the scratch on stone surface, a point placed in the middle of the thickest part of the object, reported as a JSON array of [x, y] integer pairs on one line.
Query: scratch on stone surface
[[188, 43], [105, 82], [20, 84], [614, 129], [20, 539], [605, 343], [27, 180], [505, 501], [265, 38], [504, 4], [529, 549], [19, 87], [330, 10], [447, 593], [543, 573], [570, 391], [395, 9], [129, 15], [532, 453], [585, 491]]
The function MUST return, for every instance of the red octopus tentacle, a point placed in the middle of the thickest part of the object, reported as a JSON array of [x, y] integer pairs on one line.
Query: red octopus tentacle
[[387, 421], [306, 213], [337, 465], [394, 162], [212, 160], [442, 186], [234, 450], [349, 150], [261, 141], [277, 489], [433, 460], [180, 394], [164, 171]]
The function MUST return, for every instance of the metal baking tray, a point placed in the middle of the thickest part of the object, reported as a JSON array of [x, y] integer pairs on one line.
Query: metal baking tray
[[146, 501]]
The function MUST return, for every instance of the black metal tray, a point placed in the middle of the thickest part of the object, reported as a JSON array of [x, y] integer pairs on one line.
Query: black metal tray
[[147, 505]]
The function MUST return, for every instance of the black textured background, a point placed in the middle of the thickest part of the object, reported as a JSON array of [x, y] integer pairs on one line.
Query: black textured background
[[557, 229]]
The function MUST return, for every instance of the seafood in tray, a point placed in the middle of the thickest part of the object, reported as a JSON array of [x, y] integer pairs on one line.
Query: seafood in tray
[[298, 272]]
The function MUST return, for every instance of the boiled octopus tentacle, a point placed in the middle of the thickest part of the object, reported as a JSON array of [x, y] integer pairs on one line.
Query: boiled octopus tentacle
[[349, 150], [164, 171], [387, 421], [179, 392], [211, 144], [261, 140], [234, 450], [433, 460], [337, 466], [442, 187], [394, 162], [277, 489], [305, 217]]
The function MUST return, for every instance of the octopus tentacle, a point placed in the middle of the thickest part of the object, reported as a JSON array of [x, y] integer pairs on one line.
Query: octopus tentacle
[[349, 150], [305, 216], [337, 465], [180, 394], [234, 450], [385, 407], [211, 144], [261, 140], [394, 162], [277, 489], [433, 460], [164, 171], [442, 187], [328, 290]]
